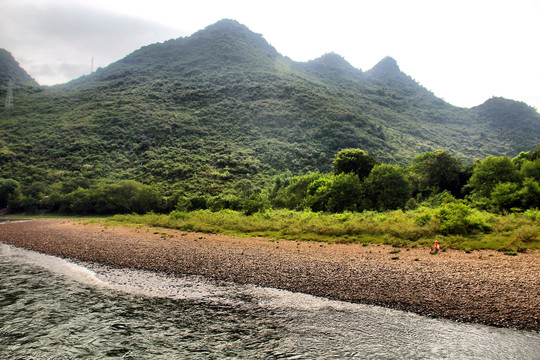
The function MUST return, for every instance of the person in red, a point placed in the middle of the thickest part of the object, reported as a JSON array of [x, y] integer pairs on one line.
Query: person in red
[[436, 247]]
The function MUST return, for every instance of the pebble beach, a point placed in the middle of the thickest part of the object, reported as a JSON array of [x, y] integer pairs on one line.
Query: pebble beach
[[484, 287]]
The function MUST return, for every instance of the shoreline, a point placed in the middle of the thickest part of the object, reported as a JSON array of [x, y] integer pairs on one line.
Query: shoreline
[[485, 287]]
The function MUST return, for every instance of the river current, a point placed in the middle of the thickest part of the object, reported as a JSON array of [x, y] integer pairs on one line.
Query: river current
[[51, 308]]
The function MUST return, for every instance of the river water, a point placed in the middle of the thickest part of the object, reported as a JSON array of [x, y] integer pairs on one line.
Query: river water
[[51, 308]]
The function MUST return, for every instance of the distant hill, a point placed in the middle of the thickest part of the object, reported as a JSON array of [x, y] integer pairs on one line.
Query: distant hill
[[10, 69], [222, 109]]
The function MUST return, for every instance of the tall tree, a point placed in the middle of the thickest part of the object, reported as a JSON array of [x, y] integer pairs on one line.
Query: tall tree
[[354, 161], [438, 171], [7, 188], [493, 170], [386, 188]]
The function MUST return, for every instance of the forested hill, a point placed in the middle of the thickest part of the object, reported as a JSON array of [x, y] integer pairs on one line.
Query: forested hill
[[222, 108], [10, 69]]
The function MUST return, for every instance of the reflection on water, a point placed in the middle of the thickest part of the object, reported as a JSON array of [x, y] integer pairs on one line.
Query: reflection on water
[[51, 308]]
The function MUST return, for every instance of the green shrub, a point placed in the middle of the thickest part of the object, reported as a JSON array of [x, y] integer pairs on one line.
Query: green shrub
[[458, 218], [221, 202], [354, 161], [386, 188], [437, 171], [531, 169], [293, 196], [491, 171], [336, 193], [529, 194], [8, 188], [177, 215], [505, 196], [527, 233], [532, 214], [411, 204], [438, 199], [254, 204], [423, 219]]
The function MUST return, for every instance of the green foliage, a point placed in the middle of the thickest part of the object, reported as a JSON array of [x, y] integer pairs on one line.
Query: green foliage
[[209, 120], [354, 161], [436, 200], [293, 195], [395, 228], [530, 194], [337, 193], [126, 196], [386, 188], [457, 218], [224, 201], [318, 194], [254, 204], [506, 196], [437, 171], [531, 169], [491, 171], [535, 154], [10, 69], [411, 204], [206, 114], [8, 188], [527, 233]]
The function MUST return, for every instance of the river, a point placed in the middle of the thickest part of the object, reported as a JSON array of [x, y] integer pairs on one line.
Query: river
[[51, 308]]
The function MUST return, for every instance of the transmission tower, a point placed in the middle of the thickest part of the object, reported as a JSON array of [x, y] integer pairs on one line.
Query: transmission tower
[[9, 96]]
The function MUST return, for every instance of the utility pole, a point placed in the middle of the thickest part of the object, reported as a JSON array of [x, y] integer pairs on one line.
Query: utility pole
[[9, 96]]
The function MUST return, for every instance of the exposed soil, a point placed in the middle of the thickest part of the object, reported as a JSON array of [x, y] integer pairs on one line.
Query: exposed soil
[[484, 286]]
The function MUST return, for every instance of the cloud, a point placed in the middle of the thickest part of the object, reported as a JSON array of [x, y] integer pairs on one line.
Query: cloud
[[66, 37]]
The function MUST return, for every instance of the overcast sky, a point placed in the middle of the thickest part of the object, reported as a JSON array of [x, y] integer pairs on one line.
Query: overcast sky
[[465, 51]]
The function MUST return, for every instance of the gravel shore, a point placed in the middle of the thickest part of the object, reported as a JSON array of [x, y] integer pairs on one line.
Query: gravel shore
[[484, 286]]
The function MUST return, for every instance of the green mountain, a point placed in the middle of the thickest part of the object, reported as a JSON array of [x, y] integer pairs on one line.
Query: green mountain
[[222, 109], [10, 69]]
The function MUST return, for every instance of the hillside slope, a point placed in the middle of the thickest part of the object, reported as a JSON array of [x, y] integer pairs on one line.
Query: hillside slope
[[10, 69], [222, 108]]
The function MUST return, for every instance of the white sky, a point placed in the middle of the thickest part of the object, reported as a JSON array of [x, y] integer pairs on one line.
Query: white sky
[[465, 51]]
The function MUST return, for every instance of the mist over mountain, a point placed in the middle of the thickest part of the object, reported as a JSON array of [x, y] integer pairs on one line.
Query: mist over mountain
[[223, 109]]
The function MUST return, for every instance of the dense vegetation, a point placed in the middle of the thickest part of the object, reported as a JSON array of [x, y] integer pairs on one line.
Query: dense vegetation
[[221, 112], [510, 233], [500, 214], [491, 204], [10, 70], [220, 120]]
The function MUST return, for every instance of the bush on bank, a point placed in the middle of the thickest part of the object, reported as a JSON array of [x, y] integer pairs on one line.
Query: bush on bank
[[454, 225]]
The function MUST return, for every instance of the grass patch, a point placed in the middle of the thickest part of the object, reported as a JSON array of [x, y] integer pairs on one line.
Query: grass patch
[[52, 216], [397, 228]]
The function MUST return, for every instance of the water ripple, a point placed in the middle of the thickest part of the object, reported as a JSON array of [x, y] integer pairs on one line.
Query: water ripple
[[53, 308]]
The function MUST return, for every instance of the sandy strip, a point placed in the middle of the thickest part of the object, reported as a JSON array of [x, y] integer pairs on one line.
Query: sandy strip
[[485, 286]]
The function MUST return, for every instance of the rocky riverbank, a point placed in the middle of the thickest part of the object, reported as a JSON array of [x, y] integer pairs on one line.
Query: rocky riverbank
[[483, 286]]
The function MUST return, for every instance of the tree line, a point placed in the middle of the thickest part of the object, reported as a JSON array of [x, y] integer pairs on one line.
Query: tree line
[[358, 182]]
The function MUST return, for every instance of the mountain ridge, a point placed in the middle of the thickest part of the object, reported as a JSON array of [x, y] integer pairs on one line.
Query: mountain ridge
[[10, 69], [222, 106], [386, 67]]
